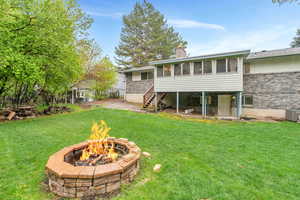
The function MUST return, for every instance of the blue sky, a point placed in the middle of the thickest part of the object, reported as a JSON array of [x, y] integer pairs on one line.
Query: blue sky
[[209, 26]]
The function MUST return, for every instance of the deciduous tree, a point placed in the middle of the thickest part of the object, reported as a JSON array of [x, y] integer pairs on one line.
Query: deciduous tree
[[105, 74], [38, 47], [90, 53]]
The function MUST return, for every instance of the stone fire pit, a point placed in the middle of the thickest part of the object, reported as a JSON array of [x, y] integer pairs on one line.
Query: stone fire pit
[[104, 180]]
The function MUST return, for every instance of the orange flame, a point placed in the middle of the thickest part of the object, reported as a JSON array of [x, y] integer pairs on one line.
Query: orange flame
[[99, 144]]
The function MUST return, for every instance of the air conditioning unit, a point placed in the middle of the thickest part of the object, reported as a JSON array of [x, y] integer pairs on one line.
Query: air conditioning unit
[[293, 115]]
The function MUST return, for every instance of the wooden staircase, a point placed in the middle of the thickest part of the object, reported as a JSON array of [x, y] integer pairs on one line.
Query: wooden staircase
[[149, 97]]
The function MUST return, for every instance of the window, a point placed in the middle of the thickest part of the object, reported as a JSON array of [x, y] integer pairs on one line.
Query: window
[[129, 76], [177, 69], [248, 100], [232, 65], [221, 66], [160, 71], [186, 68], [144, 76], [167, 70], [150, 75], [81, 93], [198, 68], [207, 67]]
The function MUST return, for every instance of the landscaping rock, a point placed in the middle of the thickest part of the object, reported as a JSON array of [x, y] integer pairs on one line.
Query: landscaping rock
[[146, 154], [144, 181], [157, 167]]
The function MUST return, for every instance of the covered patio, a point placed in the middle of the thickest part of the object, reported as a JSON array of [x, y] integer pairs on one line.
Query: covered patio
[[207, 104]]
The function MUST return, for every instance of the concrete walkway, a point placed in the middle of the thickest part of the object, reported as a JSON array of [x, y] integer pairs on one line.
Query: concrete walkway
[[117, 104], [123, 105]]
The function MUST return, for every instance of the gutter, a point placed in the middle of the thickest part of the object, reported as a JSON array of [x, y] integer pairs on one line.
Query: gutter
[[219, 55]]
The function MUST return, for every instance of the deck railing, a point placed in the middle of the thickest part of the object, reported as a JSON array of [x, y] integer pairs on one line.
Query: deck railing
[[148, 94]]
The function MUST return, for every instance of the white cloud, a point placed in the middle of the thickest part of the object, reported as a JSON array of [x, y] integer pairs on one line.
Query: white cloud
[[100, 14], [269, 38], [182, 23]]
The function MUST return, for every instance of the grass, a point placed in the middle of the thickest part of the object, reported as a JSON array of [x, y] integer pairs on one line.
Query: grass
[[73, 107], [200, 160]]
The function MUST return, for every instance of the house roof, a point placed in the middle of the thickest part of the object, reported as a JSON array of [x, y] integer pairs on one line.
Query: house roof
[[137, 69], [85, 84], [201, 57], [274, 53]]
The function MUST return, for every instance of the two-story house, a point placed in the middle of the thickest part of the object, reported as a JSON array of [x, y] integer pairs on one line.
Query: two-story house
[[261, 84]]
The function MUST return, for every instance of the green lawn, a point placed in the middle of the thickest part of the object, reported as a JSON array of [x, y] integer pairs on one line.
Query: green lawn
[[219, 160]]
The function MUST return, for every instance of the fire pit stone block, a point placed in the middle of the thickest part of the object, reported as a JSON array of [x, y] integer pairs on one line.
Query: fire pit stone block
[[67, 180]]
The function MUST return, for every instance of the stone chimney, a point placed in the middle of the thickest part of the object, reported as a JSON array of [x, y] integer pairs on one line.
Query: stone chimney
[[180, 52]]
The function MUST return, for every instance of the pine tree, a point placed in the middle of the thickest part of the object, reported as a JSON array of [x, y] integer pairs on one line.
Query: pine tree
[[296, 42], [283, 1], [145, 37]]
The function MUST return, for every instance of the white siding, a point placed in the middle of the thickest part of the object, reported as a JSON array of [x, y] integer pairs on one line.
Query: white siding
[[210, 82], [275, 65]]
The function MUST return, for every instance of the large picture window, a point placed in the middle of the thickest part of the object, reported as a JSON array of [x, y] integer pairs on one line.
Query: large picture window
[[198, 68], [167, 70], [186, 69], [232, 65], [207, 67], [160, 71], [177, 69], [221, 66]]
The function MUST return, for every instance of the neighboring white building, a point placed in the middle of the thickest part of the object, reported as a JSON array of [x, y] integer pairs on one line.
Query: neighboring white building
[[84, 90]]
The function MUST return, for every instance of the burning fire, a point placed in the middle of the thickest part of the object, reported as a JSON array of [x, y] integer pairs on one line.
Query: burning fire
[[98, 145]]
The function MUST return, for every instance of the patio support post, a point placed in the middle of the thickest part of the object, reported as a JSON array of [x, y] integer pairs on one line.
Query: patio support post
[[203, 105], [155, 102], [239, 105], [177, 102]]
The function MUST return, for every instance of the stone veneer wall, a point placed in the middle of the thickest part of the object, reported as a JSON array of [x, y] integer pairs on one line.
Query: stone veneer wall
[[138, 87], [105, 186], [274, 90]]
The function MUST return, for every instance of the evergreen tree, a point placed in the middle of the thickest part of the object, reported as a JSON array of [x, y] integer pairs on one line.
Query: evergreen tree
[[296, 42], [283, 1], [145, 37]]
